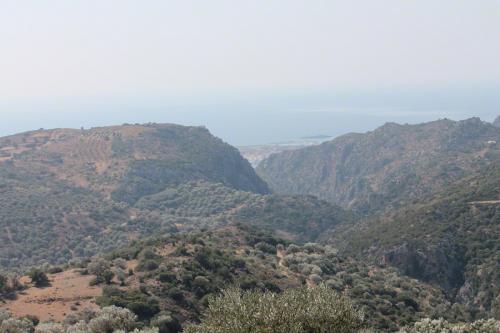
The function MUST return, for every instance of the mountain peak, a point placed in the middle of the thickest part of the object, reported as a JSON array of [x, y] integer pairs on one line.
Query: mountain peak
[[147, 156], [392, 163]]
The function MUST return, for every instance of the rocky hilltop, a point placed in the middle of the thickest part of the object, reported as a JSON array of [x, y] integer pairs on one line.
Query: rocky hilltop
[[68, 193], [387, 167], [496, 122], [129, 161], [449, 239], [428, 199]]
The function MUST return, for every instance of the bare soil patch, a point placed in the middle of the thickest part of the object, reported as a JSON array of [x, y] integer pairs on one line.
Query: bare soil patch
[[68, 290]]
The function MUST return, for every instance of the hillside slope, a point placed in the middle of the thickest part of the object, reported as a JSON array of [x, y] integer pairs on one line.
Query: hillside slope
[[71, 193], [174, 275], [451, 239], [207, 205], [391, 165], [130, 161], [496, 122], [67, 194]]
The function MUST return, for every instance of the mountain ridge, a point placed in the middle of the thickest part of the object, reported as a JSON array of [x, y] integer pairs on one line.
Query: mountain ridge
[[388, 166], [449, 239], [496, 122], [68, 193], [84, 157]]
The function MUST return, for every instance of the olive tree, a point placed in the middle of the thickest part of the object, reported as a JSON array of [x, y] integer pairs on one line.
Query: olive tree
[[4, 315], [14, 325], [313, 310], [111, 319]]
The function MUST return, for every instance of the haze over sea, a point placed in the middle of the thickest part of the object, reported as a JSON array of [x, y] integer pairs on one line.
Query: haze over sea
[[252, 72], [249, 119]]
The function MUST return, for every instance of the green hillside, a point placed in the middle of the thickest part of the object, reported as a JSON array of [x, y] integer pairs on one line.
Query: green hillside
[[386, 168], [180, 272], [70, 193], [449, 239]]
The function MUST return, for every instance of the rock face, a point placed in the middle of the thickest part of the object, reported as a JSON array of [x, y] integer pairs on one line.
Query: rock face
[[440, 264], [496, 122], [449, 239], [392, 165]]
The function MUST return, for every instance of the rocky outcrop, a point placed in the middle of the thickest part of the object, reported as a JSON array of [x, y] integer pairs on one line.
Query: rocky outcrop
[[449, 239], [441, 264], [496, 122]]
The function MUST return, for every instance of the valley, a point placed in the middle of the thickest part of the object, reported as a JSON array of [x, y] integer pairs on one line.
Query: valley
[[160, 218], [257, 153], [250, 166]]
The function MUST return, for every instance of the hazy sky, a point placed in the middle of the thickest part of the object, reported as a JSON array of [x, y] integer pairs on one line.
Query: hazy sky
[[94, 62]]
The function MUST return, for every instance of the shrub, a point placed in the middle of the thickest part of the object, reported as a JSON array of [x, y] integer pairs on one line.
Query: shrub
[[134, 300], [112, 318], [167, 277], [176, 294], [55, 269], [166, 323], [442, 326], [13, 325], [292, 248], [49, 328], [120, 262], [4, 315], [316, 310], [315, 278], [108, 276], [38, 278], [79, 327], [239, 263], [147, 265], [265, 247], [143, 330], [98, 266], [34, 319], [120, 274], [201, 282], [407, 300], [3, 283], [101, 269]]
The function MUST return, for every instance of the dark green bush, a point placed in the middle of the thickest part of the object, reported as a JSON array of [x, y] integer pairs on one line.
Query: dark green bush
[[39, 278], [142, 305]]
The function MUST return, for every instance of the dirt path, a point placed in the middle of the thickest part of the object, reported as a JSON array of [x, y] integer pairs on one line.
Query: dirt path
[[281, 255], [486, 202], [9, 235], [236, 209]]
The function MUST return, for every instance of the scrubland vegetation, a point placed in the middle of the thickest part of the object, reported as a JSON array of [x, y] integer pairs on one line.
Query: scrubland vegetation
[[181, 235], [314, 310], [176, 276]]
